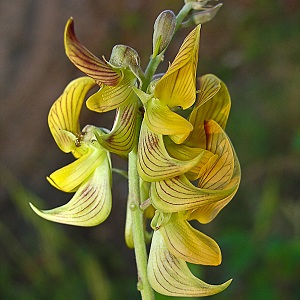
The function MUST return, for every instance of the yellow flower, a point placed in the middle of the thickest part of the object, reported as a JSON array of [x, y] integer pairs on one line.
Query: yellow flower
[[175, 89], [217, 172], [90, 175], [115, 79], [169, 274]]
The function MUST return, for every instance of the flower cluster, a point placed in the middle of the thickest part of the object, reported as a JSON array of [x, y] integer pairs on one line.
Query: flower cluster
[[187, 167]]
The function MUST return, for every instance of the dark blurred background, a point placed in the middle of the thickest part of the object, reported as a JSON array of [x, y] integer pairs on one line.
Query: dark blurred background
[[253, 45]]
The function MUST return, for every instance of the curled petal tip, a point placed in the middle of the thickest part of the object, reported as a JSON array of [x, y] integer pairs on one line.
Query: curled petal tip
[[87, 62]]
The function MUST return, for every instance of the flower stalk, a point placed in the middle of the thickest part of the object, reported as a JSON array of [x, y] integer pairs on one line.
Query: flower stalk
[[138, 231]]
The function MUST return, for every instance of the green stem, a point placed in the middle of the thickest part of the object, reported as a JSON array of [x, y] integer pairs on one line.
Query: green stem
[[156, 60], [138, 232], [150, 71], [182, 15]]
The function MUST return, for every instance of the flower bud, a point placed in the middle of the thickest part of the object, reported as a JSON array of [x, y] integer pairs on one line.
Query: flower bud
[[202, 16], [196, 4], [125, 57], [164, 28]]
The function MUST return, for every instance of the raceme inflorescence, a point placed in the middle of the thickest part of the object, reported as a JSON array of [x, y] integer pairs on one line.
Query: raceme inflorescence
[[170, 128]]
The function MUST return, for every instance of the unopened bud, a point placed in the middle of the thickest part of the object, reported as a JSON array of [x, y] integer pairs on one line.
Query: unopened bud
[[125, 57], [164, 28], [196, 4], [202, 16]]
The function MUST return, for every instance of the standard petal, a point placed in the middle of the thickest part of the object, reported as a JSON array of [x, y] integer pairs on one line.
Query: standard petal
[[87, 62], [179, 194], [112, 97], [160, 119], [170, 275], [189, 244], [71, 176], [216, 108], [123, 134], [178, 86], [154, 162], [63, 118], [90, 205]]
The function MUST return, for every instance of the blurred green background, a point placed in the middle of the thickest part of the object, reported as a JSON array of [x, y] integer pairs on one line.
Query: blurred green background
[[253, 45]]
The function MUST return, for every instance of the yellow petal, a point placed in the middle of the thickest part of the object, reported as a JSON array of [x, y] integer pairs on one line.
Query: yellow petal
[[178, 86], [209, 86], [63, 118], [189, 244], [179, 194], [71, 176], [208, 107], [184, 152], [154, 162], [207, 213], [160, 119], [90, 205], [112, 97], [170, 275], [123, 134], [219, 174], [87, 62]]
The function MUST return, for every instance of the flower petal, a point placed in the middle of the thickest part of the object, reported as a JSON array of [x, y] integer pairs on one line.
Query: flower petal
[[184, 152], [71, 176], [63, 118], [154, 162], [216, 108], [189, 244], [90, 205], [178, 86], [123, 134], [209, 85], [225, 172], [87, 62], [160, 119], [179, 194], [218, 175], [170, 275], [112, 97], [207, 213]]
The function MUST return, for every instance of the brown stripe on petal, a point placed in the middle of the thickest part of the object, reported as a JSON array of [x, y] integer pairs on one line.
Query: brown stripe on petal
[[87, 62]]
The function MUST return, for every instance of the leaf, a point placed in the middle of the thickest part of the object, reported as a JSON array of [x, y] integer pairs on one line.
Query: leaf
[[63, 118], [170, 275], [87, 62], [90, 205]]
